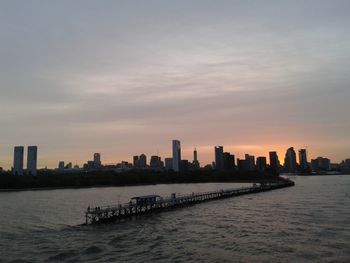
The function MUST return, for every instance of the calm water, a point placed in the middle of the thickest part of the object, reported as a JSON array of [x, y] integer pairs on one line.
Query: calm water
[[306, 223]]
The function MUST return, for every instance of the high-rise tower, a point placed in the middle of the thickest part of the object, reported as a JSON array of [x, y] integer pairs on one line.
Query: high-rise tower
[[142, 161], [303, 160], [18, 160], [290, 162], [176, 155], [195, 162], [219, 158], [274, 162], [97, 160], [32, 158]]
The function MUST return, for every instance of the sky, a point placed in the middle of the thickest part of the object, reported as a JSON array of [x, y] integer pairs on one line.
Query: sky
[[126, 77]]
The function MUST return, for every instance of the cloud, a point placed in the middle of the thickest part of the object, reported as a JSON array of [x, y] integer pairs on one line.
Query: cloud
[[76, 76]]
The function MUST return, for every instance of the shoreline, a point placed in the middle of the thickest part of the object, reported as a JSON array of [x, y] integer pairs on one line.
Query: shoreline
[[318, 174], [3, 190]]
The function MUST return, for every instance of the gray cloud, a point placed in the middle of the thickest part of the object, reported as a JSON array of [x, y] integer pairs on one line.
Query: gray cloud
[[122, 77]]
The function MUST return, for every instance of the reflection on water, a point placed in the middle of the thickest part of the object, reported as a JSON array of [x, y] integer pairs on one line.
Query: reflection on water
[[305, 223]]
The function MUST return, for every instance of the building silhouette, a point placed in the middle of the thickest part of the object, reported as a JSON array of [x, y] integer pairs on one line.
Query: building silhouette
[[290, 163], [195, 163], [176, 155], [229, 161], [168, 163], [261, 163], [219, 158], [135, 162], [184, 165], [303, 160], [242, 165], [274, 162], [143, 161], [97, 160], [61, 165], [156, 162], [250, 162], [18, 160], [321, 164], [32, 158]]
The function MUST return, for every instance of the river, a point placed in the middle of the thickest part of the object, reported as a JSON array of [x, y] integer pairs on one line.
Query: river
[[306, 223]]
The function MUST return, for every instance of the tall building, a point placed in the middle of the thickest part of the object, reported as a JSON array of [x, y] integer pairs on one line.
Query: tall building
[[18, 160], [135, 162], [274, 162], [219, 158], [229, 161], [290, 161], [250, 162], [303, 160], [242, 165], [143, 161], [168, 163], [32, 158], [97, 160], [261, 164], [184, 165], [155, 162], [195, 162], [61, 165], [195, 155], [176, 155], [321, 164]]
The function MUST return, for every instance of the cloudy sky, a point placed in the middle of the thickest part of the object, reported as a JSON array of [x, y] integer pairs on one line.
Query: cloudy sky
[[127, 77]]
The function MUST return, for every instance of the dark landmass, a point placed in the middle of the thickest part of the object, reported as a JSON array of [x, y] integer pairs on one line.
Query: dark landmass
[[46, 180]]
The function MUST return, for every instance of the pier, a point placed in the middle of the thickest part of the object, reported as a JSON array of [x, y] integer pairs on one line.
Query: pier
[[151, 203]]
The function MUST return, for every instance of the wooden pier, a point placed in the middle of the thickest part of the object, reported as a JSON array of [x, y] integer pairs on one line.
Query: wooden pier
[[147, 204]]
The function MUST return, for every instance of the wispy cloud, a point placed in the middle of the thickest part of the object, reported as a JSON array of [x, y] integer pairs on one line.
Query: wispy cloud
[[249, 75]]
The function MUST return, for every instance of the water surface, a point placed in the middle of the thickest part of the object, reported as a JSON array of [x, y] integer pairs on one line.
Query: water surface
[[305, 223]]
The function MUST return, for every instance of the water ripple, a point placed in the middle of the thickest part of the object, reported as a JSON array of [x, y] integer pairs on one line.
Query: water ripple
[[306, 223]]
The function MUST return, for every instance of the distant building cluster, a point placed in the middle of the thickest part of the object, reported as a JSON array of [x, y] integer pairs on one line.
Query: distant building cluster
[[223, 161]]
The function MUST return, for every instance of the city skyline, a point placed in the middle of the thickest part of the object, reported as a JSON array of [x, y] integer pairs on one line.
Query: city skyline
[[174, 130], [220, 160], [123, 77]]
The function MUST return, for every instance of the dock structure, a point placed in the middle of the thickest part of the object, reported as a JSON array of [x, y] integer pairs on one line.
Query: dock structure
[[152, 203]]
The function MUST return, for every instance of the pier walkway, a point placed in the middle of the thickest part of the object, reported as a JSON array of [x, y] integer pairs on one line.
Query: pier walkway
[[147, 204]]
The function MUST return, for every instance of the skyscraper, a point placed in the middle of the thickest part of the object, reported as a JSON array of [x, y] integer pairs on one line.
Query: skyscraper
[[290, 162], [250, 162], [143, 161], [195, 162], [176, 155], [61, 165], [32, 157], [219, 158], [155, 162], [242, 165], [195, 155], [135, 162], [168, 163], [274, 162], [321, 164], [229, 161], [18, 160], [303, 160], [261, 163], [97, 160]]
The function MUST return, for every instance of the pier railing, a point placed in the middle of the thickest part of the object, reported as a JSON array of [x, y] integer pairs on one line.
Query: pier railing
[[114, 212]]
